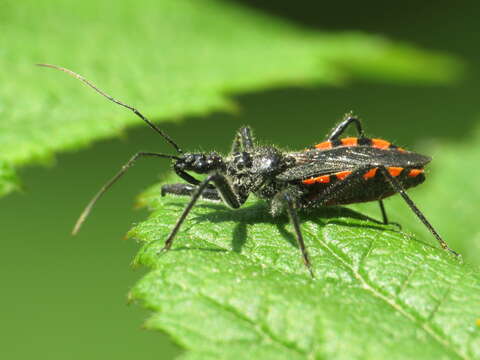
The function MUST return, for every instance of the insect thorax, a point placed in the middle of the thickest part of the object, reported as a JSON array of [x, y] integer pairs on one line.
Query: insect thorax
[[254, 172]]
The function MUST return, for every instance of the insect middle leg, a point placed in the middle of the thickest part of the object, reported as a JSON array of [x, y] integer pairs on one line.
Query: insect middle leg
[[384, 213], [227, 193], [289, 202], [385, 217]]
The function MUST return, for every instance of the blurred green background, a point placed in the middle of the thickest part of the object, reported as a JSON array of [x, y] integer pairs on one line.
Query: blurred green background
[[65, 298]]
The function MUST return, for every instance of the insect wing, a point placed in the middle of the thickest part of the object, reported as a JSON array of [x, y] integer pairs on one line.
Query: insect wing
[[313, 163]]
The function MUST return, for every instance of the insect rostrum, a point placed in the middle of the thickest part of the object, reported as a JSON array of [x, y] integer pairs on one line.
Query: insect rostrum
[[336, 171]]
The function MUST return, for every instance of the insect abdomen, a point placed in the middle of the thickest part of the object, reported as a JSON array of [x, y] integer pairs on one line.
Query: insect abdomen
[[370, 186], [353, 141]]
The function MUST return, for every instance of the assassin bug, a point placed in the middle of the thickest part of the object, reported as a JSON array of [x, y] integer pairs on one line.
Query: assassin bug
[[334, 172]]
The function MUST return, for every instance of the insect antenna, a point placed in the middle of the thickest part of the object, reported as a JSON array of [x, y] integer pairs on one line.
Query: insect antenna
[[83, 216], [111, 98]]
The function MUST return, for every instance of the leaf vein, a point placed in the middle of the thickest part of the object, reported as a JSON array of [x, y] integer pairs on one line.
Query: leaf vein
[[391, 302], [261, 330]]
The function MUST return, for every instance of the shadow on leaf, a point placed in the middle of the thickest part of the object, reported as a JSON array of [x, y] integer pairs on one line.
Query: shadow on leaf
[[258, 212]]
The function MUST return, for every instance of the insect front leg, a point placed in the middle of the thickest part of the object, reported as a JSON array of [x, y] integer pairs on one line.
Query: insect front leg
[[399, 189], [340, 128], [188, 190], [243, 140], [227, 193]]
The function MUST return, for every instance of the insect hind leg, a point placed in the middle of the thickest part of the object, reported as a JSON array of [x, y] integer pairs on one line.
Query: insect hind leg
[[399, 189], [340, 128]]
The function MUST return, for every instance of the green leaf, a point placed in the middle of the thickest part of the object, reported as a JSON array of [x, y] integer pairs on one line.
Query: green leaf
[[170, 59], [234, 286]]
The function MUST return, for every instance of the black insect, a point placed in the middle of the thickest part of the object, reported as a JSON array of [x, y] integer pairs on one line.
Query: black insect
[[336, 171]]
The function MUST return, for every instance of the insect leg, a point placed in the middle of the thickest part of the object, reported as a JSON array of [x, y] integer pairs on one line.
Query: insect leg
[[384, 216], [189, 178], [292, 214], [243, 140], [384, 213], [247, 138], [109, 184], [340, 128], [188, 190], [228, 195], [398, 188]]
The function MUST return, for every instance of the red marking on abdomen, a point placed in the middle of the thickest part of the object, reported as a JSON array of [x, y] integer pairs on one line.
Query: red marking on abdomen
[[342, 175], [370, 174], [350, 141], [395, 171], [415, 172], [380, 144], [319, 179], [324, 145]]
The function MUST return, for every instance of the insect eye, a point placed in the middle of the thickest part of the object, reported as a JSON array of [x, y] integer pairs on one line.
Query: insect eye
[[200, 162], [189, 158]]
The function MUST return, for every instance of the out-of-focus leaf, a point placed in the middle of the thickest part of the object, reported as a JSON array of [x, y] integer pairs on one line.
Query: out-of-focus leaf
[[168, 58]]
